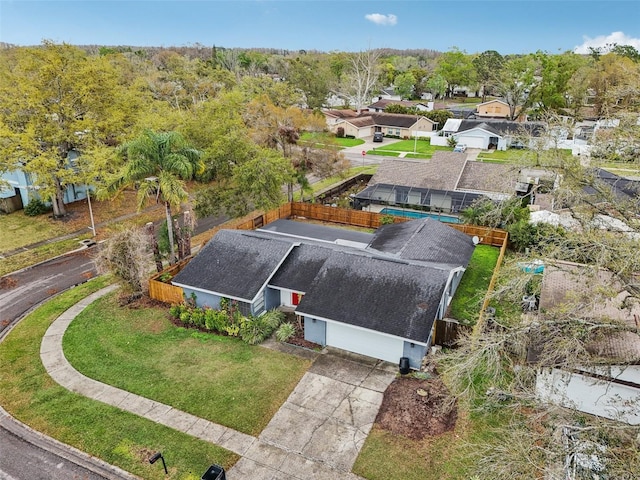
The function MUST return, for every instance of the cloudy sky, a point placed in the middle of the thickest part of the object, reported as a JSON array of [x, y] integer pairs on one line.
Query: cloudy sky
[[508, 26]]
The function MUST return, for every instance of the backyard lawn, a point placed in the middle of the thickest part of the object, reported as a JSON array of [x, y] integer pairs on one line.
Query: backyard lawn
[[120, 438], [467, 302]]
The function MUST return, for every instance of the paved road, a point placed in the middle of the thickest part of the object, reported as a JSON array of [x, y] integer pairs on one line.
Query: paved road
[[20, 460], [21, 291]]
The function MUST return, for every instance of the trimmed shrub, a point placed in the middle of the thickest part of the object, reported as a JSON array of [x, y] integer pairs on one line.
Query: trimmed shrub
[[35, 207], [285, 332]]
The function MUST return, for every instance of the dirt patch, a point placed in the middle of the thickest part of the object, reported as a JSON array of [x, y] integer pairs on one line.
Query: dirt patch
[[298, 337], [416, 408]]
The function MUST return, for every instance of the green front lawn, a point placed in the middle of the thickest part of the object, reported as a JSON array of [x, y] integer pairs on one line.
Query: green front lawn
[[19, 230], [423, 148], [117, 437], [218, 378], [324, 139], [467, 301]]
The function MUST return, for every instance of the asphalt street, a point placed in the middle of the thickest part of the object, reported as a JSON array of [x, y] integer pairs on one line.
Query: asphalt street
[[23, 290], [20, 460]]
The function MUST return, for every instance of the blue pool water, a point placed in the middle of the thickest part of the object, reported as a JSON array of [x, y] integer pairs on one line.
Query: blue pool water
[[411, 214]]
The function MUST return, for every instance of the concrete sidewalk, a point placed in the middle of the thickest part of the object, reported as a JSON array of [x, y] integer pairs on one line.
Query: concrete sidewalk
[[316, 434]]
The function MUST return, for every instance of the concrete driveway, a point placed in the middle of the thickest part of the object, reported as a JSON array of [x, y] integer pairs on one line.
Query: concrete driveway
[[320, 429]]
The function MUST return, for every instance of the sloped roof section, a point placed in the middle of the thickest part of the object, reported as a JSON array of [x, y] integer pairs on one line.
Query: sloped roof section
[[488, 177], [301, 267], [424, 240], [503, 127], [383, 295], [234, 263], [440, 173]]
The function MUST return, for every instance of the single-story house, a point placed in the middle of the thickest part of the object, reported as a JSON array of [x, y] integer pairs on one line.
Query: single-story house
[[366, 124], [382, 103], [487, 134], [447, 183], [18, 188], [373, 294], [610, 386]]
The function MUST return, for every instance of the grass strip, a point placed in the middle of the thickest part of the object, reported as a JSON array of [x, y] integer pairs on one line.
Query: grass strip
[[39, 254], [467, 302], [117, 437]]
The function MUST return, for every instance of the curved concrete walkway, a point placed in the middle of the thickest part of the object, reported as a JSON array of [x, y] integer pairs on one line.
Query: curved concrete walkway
[[316, 434]]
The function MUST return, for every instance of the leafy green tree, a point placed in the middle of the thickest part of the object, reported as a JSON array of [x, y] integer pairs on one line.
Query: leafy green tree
[[311, 74], [437, 85], [556, 72], [516, 81], [158, 163], [456, 68], [217, 129], [55, 100], [488, 65], [439, 116], [404, 84], [257, 183]]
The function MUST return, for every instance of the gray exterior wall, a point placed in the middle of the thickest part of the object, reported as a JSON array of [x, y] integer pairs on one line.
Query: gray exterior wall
[[271, 298], [315, 331], [203, 299], [415, 354]]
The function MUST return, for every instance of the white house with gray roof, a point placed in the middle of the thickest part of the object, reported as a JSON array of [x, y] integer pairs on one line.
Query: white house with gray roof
[[374, 294]]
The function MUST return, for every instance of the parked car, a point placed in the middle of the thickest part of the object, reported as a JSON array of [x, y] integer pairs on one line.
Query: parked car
[[461, 147], [377, 137]]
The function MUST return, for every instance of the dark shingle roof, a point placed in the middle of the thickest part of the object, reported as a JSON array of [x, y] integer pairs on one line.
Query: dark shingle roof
[[424, 240], [316, 232], [503, 127], [383, 295], [440, 173], [301, 267], [234, 263]]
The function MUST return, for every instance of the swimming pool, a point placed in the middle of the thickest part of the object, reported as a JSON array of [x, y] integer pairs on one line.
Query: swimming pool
[[412, 214]]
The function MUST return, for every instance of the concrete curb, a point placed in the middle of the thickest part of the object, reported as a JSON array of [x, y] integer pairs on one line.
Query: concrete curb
[[72, 454], [40, 440]]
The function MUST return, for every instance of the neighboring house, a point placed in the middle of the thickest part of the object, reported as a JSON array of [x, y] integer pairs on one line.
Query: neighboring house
[[611, 387], [366, 124], [447, 183], [19, 189], [381, 104], [493, 109], [485, 135], [374, 294], [389, 93]]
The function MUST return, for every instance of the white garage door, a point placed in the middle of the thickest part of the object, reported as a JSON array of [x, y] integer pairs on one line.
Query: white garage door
[[473, 142], [364, 342]]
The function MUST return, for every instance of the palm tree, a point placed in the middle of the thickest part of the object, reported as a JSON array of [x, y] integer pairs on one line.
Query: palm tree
[[158, 163]]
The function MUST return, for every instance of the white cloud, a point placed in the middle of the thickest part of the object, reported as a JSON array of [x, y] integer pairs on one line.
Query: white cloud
[[603, 40], [381, 19]]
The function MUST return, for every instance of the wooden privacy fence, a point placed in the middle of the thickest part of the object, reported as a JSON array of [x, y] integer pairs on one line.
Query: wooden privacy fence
[[165, 292], [447, 332]]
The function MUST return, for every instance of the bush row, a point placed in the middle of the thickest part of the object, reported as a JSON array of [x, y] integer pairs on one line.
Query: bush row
[[228, 320]]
